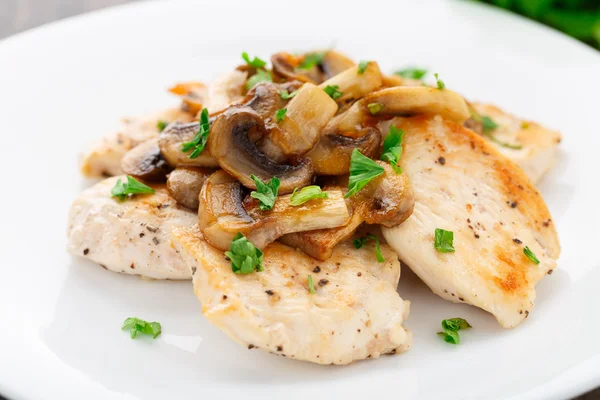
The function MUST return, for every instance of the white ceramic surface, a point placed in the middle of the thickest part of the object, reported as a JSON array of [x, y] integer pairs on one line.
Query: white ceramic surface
[[64, 85]]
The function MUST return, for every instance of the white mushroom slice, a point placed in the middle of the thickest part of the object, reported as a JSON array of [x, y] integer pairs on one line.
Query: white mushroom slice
[[104, 159], [354, 85], [222, 214], [171, 141], [410, 100], [226, 90], [131, 237], [353, 315]]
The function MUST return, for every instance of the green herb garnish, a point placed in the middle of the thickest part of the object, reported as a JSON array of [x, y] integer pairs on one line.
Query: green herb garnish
[[362, 66], [260, 76], [311, 60], [122, 190], [136, 325], [444, 241], [488, 124], [333, 91], [440, 83], [198, 143], [527, 251], [286, 96], [362, 171], [307, 193], [161, 125], [266, 193], [451, 327], [374, 108], [392, 147], [280, 115], [256, 62], [412, 73], [358, 243], [311, 286], [245, 257]]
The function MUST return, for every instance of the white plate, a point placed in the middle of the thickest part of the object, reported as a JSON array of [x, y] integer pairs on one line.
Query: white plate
[[64, 85]]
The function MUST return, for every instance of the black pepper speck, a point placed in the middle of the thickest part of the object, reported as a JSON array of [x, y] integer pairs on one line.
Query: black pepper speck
[[317, 269], [155, 240], [86, 251], [269, 292], [442, 160], [323, 282]]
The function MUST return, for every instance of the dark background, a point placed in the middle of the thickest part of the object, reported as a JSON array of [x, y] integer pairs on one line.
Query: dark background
[[579, 18]]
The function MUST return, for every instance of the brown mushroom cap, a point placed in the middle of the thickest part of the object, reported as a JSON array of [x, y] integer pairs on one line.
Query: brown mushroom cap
[[145, 162], [170, 142], [184, 185], [230, 144]]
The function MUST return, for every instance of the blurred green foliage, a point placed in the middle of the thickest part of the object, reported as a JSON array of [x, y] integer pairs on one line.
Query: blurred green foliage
[[578, 18]]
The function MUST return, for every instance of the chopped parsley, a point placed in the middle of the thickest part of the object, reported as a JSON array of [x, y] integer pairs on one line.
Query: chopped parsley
[[198, 143], [451, 327], [123, 190], [488, 125], [266, 193], [412, 73], [362, 171], [374, 108], [280, 114], [311, 286], [444, 241], [527, 251], [311, 60], [307, 193], [333, 91], [392, 147], [440, 83], [362, 66], [136, 325], [358, 243], [256, 62], [286, 96], [245, 257], [260, 76], [161, 125]]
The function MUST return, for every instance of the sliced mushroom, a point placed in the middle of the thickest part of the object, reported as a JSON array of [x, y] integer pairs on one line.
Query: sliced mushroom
[[387, 200], [335, 63], [354, 85], [226, 90], [331, 155], [184, 185], [171, 140], [410, 100], [193, 94], [221, 214], [231, 145], [146, 162], [287, 66]]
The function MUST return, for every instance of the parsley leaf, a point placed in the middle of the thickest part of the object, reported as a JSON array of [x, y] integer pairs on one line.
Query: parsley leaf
[[333, 91], [245, 257], [198, 143], [440, 83], [122, 190], [256, 62], [280, 114], [444, 241], [488, 124], [136, 325], [286, 96], [161, 125], [527, 251], [362, 66], [362, 171], [451, 327], [392, 147], [307, 193], [374, 108], [266, 193], [358, 243], [311, 286], [260, 76], [311, 60], [412, 73]]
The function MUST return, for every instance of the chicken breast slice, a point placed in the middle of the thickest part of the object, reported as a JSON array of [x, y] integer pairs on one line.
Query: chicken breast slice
[[539, 145], [463, 184], [131, 236], [353, 315], [104, 158]]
